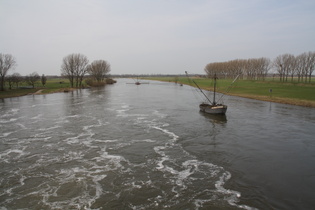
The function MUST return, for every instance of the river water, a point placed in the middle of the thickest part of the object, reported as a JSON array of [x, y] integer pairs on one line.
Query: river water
[[148, 147]]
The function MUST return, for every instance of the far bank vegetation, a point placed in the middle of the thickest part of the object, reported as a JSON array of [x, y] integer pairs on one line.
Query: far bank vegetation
[[286, 67], [76, 66], [98, 71]]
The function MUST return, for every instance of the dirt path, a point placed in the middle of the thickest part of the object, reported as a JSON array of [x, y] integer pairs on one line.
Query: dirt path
[[37, 92]]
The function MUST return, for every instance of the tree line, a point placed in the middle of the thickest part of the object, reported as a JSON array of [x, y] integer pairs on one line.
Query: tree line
[[286, 67], [16, 79], [74, 67]]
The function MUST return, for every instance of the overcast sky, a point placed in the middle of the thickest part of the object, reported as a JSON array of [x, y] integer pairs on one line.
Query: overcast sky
[[152, 36]]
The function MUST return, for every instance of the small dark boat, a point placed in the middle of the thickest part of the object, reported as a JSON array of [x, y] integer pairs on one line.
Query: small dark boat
[[211, 107], [214, 107]]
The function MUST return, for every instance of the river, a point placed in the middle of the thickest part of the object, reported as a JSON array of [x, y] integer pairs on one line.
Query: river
[[147, 146]]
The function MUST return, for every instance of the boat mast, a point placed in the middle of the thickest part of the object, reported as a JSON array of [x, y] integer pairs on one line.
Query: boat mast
[[228, 89], [198, 87], [215, 84]]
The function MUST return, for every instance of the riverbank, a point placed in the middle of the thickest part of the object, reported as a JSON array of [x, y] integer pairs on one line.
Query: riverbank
[[305, 103], [35, 91], [298, 94], [54, 85]]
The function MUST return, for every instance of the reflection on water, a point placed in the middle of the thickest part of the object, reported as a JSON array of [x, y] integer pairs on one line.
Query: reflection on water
[[215, 118], [147, 147]]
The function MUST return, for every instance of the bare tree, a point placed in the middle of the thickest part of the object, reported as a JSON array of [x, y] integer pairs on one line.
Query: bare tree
[[7, 62], [278, 63], [32, 78], [9, 79], [310, 65], [288, 64], [299, 66], [265, 67], [99, 69], [43, 79], [17, 79], [74, 68]]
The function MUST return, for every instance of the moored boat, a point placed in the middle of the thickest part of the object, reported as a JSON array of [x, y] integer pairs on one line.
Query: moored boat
[[211, 107]]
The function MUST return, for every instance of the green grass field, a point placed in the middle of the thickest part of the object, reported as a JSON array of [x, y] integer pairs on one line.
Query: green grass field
[[52, 85], [291, 93]]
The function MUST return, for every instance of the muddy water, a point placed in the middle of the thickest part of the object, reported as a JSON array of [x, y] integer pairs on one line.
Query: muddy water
[[148, 147]]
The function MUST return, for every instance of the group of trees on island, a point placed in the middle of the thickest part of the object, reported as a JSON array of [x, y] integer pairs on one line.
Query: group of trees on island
[[286, 67], [74, 67]]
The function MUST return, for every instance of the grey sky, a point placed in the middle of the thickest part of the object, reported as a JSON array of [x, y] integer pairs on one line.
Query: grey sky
[[152, 37]]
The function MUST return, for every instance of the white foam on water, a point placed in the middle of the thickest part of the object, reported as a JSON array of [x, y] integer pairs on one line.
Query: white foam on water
[[87, 178], [181, 170], [21, 125], [86, 187], [13, 154], [231, 196], [2, 121], [36, 117], [173, 136], [158, 150], [121, 112], [184, 176], [73, 140], [6, 134], [159, 114], [144, 140], [77, 155], [10, 113], [113, 162], [72, 116], [105, 141], [85, 137], [49, 128], [125, 106]]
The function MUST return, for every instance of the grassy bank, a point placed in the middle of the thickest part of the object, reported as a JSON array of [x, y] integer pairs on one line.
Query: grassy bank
[[289, 93], [51, 86]]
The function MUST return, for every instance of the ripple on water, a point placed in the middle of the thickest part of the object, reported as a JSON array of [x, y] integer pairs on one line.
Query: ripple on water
[[81, 161]]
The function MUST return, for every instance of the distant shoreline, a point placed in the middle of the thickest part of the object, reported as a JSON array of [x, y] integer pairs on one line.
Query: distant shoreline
[[296, 102]]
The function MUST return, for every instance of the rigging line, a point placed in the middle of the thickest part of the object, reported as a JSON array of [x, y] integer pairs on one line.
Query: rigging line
[[195, 91], [199, 88], [228, 89]]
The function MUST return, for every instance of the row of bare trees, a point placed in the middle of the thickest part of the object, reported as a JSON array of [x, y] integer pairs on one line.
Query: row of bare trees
[[290, 66], [75, 66], [16, 79], [8, 62], [254, 69], [286, 66]]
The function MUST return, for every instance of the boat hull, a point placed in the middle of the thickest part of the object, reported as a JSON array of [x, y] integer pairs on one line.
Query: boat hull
[[213, 109]]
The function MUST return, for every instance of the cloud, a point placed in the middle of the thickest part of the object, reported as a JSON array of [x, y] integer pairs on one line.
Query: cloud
[[152, 36]]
